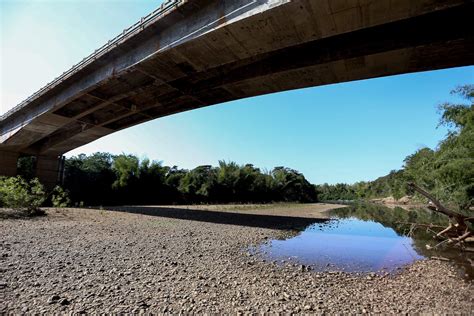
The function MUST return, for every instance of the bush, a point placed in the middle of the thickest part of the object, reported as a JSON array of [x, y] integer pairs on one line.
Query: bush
[[60, 198], [23, 196]]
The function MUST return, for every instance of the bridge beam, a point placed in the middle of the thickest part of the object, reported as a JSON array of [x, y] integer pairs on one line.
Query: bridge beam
[[47, 170], [204, 52], [8, 163]]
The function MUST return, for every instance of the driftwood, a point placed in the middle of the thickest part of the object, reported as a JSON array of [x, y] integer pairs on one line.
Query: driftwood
[[459, 230]]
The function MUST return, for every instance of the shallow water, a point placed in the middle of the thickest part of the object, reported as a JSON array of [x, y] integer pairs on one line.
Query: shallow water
[[351, 245], [364, 238]]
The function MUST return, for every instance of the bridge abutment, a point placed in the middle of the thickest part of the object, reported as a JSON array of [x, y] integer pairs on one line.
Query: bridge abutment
[[47, 170], [8, 163]]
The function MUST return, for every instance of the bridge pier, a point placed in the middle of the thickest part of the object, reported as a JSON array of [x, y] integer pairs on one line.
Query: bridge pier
[[47, 170], [8, 163]]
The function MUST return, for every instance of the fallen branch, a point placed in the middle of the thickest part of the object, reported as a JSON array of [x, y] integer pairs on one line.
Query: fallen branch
[[421, 225], [439, 258], [458, 230], [438, 207], [444, 231]]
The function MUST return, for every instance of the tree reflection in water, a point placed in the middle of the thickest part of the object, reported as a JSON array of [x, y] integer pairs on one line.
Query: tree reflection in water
[[396, 218]]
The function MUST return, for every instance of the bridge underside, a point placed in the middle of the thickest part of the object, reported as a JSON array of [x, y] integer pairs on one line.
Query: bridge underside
[[239, 49]]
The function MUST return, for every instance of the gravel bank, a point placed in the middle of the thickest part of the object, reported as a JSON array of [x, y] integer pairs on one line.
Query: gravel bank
[[173, 259]]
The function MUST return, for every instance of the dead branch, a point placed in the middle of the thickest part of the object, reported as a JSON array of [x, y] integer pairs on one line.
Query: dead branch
[[439, 258], [463, 236], [458, 217], [421, 225], [458, 230], [444, 231]]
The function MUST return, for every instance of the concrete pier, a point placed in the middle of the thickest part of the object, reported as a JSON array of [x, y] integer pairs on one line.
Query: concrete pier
[[8, 163], [47, 170]]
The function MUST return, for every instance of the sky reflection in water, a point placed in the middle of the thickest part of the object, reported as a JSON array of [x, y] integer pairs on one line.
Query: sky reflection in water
[[348, 244]]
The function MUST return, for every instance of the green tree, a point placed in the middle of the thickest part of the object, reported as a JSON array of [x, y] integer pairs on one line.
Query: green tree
[[198, 184], [293, 186], [26, 167], [126, 167], [89, 179]]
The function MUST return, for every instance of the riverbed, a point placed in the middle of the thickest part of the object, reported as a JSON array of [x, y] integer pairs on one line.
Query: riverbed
[[197, 259]]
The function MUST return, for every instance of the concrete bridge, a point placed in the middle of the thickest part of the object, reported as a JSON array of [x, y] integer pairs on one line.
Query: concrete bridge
[[193, 53]]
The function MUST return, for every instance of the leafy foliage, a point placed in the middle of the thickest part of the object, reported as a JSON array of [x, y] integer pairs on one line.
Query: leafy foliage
[[447, 171], [60, 198], [125, 179], [126, 168], [90, 178], [25, 167], [20, 195], [102, 178]]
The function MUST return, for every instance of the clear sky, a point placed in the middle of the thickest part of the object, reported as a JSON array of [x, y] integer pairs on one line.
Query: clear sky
[[338, 133]]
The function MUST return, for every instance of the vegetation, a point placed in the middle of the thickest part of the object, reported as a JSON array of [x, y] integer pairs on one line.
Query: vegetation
[[21, 195], [394, 218], [60, 198], [102, 178], [447, 171]]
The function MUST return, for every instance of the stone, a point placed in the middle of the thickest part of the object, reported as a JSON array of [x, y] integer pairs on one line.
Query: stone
[[64, 302], [54, 299]]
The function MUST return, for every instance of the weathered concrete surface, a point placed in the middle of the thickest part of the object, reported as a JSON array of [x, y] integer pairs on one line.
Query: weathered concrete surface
[[8, 163], [47, 170], [206, 52]]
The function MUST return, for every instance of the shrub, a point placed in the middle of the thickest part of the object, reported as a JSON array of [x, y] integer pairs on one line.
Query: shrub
[[23, 196], [60, 198]]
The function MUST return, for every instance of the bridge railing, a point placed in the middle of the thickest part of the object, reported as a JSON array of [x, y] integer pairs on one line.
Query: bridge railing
[[145, 21]]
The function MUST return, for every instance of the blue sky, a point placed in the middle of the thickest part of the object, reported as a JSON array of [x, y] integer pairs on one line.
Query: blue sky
[[338, 133]]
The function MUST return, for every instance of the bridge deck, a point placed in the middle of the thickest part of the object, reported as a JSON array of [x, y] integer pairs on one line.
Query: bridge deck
[[191, 54]]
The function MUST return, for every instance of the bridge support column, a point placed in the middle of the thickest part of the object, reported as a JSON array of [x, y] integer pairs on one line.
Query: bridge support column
[[47, 170], [8, 163]]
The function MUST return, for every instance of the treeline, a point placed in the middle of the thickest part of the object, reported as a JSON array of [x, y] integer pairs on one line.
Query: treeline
[[446, 171], [106, 179], [394, 184]]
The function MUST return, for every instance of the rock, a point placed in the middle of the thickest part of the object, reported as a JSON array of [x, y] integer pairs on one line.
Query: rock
[[54, 299], [404, 200], [179, 283], [64, 302]]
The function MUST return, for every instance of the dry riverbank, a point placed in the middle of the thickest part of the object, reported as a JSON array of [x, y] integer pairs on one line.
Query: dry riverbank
[[194, 259]]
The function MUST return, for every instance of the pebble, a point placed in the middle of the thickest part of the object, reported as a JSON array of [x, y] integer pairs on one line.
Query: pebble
[[89, 262]]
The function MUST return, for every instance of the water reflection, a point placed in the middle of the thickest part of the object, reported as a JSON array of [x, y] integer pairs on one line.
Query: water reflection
[[397, 219], [366, 238], [348, 244]]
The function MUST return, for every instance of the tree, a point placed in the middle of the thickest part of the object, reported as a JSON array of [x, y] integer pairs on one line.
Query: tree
[[198, 184], [26, 167], [293, 186], [446, 171], [89, 178], [125, 179], [126, 168]]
